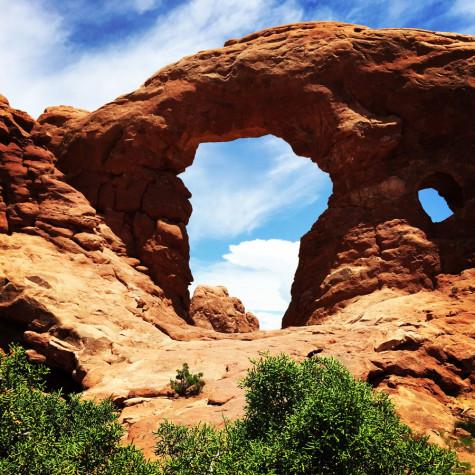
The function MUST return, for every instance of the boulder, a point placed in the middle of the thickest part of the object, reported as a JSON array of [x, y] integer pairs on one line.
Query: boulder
[[213, 308]]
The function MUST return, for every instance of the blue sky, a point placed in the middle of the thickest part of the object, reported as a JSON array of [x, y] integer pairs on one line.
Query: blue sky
[[252, 198]]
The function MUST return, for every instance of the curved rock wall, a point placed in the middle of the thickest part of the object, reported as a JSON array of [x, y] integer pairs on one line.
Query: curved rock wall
[[68, 290], [384, 112]]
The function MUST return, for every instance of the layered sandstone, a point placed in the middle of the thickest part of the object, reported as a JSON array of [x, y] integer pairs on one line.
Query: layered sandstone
[[94, 265], [213, 308], [384, 112]]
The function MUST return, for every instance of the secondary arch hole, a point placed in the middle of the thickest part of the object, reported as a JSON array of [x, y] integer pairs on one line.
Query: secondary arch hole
[[434, 205], [253, 199], [440, 196]]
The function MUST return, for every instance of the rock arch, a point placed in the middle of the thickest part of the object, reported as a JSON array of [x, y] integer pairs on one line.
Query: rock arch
[[376, 109]]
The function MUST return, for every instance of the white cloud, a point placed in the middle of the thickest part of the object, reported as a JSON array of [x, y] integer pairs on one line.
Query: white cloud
[[229, 200], [276, 255], [40, 68], [259, 272], [27, 33], [464, 7], [143, 6], [269, 320]]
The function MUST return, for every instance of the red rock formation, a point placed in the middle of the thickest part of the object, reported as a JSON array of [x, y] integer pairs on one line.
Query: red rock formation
[[34, 197], [384, 112], [213, 308], [60, 262]]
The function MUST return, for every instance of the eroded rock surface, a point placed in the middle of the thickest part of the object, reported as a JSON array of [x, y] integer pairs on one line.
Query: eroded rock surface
[[65, 278], [94, 250], [419, 348], [213, 308], [384, 112]]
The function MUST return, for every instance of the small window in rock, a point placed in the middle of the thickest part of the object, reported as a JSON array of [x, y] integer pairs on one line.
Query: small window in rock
[[434, 205]]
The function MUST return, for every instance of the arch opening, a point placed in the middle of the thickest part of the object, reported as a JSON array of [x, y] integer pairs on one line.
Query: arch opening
[[440, 196], [434, 205], [252, 199]]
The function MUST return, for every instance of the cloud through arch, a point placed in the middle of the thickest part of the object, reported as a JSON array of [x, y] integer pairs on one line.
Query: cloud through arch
[[252, 201]]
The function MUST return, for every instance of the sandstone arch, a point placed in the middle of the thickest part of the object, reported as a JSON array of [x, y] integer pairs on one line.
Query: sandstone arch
[[399, 112], [376, 109]]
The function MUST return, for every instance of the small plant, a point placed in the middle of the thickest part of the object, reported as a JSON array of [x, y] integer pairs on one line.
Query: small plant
[[187, 383]]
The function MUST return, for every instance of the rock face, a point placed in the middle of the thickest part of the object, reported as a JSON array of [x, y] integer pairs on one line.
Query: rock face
[[34, 198], [385, 113], [94, 250], [213, 308], [66, 282]]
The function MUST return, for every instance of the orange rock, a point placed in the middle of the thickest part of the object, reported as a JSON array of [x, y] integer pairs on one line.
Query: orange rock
[[213, 308], [384, 112], [378, 286]]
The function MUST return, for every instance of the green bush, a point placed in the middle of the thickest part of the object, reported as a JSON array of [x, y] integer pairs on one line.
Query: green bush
[[304, 418], [300, 418], [43, 434], [186, 383]]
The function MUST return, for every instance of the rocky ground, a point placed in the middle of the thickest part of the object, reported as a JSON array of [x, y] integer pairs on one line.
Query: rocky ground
[[92, 317]]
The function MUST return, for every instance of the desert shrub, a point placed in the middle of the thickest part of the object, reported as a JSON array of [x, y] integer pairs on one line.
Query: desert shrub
[[188, 450], [304, 418], [43, 433], [187, 383]]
